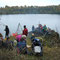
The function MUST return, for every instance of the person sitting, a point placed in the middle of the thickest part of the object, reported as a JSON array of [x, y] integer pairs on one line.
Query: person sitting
[[1, 39], [35, 42], [21, 46], [32, 37], [18, 38]]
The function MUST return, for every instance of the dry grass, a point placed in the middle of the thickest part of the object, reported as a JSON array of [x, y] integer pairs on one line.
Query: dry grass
[[49, 53]]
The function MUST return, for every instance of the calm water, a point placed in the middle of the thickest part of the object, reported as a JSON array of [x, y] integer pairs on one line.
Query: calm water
[[51, 20]]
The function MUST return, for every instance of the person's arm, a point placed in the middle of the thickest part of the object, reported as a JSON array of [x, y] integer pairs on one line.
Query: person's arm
[[27, 31]]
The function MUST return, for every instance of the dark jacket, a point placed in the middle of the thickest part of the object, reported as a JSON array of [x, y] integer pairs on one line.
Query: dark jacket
[[7, 30]]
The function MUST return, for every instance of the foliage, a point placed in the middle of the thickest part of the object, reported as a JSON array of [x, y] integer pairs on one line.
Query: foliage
[[30, 10]]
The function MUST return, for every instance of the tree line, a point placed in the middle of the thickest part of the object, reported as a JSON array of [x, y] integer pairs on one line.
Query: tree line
[[30, 10]]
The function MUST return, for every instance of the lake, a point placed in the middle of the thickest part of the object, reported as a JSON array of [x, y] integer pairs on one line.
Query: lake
[[12, 20]]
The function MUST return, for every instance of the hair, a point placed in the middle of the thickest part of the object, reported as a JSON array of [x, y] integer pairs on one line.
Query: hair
[[24, 26], [6, 27], [23, 36]]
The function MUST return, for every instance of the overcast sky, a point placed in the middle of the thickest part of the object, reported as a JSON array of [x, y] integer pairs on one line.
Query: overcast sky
[[28, 2]]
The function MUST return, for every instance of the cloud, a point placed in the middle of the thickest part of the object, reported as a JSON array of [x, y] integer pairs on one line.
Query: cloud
[[29, 2]]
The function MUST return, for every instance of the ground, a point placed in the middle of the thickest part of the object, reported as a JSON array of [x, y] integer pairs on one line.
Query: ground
[[49, 53]]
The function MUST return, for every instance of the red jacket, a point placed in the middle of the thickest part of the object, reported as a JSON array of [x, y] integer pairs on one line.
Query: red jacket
[[25, 31]]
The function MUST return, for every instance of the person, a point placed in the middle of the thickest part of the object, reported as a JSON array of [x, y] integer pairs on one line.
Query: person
[[18, 38], [24, 37], [1, 39], [44, 29], [7, 32], [32, 37], [33, 29], [41, 27], [25, 31], [21, 45], [36, 43]]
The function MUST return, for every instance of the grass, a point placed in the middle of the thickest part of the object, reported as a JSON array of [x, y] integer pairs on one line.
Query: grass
[[49, 53]]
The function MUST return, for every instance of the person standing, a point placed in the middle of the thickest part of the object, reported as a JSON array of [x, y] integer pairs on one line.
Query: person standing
[[7, 32], [44, 29], [25, 31], [33, 29]]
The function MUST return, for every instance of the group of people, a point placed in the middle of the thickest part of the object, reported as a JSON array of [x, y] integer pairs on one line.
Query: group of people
[[25, 31], [41, 29], [7, 31], [20, 42]]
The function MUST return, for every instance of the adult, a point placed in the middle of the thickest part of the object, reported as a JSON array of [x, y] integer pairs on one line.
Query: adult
[[18, 38], [33, 29], [25, 31], [44, 29], [7, 32], [1, 37]]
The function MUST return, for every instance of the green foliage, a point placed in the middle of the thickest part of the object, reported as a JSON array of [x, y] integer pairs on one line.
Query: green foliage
[[30, 10]]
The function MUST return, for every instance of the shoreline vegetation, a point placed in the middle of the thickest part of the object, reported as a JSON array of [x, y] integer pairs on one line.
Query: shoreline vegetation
[[51, 49], [54, 9], [50, 52]]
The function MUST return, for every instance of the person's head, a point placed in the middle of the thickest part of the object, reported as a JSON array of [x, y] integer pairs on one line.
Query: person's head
[[44, 24], [24, 26], [6, 26], [32, 25], [24, 36], [33, 34]]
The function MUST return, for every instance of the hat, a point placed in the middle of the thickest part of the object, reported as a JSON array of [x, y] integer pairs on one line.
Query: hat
[[23, 36]]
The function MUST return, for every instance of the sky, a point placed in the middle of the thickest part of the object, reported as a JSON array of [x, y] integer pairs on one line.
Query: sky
[[3, 3]]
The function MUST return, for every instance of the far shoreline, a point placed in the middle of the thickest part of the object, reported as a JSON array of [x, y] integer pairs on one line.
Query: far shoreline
[[30, 14]]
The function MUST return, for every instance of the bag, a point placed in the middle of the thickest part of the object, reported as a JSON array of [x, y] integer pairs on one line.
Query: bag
[[37, 49]]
